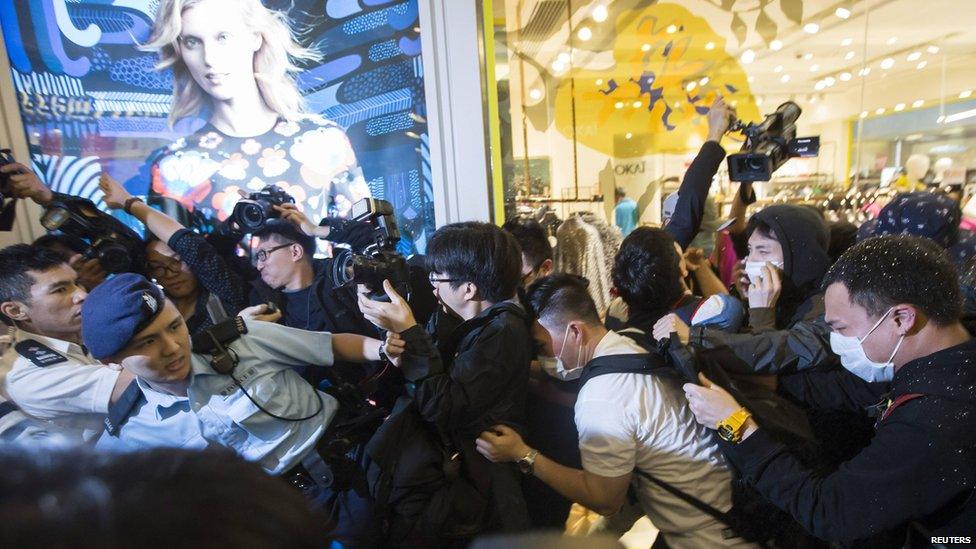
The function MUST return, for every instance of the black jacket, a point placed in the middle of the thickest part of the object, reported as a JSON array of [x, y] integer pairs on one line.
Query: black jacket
[[920, 466], [693, 192]]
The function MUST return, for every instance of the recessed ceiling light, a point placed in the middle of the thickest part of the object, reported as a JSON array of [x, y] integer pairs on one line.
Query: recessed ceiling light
[[965, 94], [807, 56], [703, 81], [921, 65], [849, 55], [887, 63], [864, 72], [619, 104], [812, 98], [759, 101], [811, 28], [748, 56], [776, 45], [646, 47], [820, 85], [891, 41], [814, 68], [751, 79], [584, 33], [844, 76], [557, 66], [677, 104], [864, 114], [600, 13], [778, 68], [899, 107], [637, 104], [843, 13], [879, 110], [563, 58], [846, 42], [710, 46], [672, 29], [917, 103], [535, 93], [785, 78], [914, 56], [629, 135], [932, 49], [599, 81], [830, 81], [691, 85]]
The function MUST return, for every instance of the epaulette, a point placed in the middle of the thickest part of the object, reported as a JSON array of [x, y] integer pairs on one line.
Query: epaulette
[[122, 410], [38, 353]]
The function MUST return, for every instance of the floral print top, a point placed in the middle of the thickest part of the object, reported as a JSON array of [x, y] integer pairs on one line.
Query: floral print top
[[311, 159]]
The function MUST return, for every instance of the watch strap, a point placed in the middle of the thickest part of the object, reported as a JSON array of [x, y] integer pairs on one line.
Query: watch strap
[[127, 206]]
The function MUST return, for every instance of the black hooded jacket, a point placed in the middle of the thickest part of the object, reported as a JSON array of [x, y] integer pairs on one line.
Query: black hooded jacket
[[918, 470]]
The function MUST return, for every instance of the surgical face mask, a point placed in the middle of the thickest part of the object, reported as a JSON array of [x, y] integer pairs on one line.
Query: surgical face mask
[[754, 269], [556, 367], [856, 361]]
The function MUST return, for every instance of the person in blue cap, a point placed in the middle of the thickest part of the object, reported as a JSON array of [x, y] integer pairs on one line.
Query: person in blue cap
[[235, 382]]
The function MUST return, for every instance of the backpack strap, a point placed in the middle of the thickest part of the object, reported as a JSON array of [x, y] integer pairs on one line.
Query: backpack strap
[[637, 363], [724, 518], [899, 400]]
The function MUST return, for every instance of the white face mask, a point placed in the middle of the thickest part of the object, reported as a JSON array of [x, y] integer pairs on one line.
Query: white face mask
[[555, 367], [853, 358], [754, 269]]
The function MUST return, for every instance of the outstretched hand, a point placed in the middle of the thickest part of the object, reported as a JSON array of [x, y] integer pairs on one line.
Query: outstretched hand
[[501, 443], [394, 316], [709, 402], [671, 324], [24, 183], [115, 193]]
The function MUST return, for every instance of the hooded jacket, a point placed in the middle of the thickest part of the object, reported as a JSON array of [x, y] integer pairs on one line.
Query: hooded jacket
[[917, 474]]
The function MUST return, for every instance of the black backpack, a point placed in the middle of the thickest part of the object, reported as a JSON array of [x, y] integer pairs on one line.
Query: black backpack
[[422, 491]]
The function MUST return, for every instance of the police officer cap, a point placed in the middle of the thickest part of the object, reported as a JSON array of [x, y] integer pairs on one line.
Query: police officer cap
[[116, 310]]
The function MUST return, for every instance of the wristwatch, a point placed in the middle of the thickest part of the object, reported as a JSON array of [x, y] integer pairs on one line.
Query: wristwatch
[[382, 352], [527, 463], [730, 429], [127, 206]]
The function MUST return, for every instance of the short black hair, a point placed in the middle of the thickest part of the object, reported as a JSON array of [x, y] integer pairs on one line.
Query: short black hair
[[646, 271], [562, 297], [480, 253], [16, 261], [756, 224], [532, 239], [58, 243], [287, 231], [884, 271], [166, 497]]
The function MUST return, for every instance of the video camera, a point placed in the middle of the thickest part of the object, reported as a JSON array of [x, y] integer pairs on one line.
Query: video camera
[[8, 210], [380, 260], [769, 144], [253, 212], [95, 234]]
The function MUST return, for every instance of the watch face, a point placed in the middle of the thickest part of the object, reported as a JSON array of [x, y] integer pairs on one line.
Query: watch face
[[726, 433]]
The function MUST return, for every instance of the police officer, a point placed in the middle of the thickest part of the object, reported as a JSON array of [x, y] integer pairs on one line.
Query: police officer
[[48, 373], [238, 380]]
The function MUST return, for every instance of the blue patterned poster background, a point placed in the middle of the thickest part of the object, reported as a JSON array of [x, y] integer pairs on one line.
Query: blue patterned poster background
[[90, 100]]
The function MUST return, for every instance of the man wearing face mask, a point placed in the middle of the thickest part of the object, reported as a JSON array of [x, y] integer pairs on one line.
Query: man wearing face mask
[[898, 298], [626, 421]]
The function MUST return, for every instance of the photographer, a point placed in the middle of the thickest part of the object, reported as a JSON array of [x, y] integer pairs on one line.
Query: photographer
[[240, 388], [90, 271]]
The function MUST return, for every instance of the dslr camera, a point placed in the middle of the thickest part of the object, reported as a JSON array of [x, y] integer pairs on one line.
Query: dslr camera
[[253, 212], [378, 261], [769, 144], [8, 210], [95, 234]]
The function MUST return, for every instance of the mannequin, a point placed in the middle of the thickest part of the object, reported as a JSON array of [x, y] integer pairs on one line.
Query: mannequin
[[942, 165], [916, 167]]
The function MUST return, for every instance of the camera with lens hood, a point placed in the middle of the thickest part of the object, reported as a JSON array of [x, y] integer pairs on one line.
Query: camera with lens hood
[[253, 212], [769, 144], [377, 262], [95, 234]]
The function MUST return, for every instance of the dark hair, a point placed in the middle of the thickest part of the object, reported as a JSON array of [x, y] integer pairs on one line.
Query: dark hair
[[646, 271], [286, 231], [16, 260], [162, 498], [562, 297], [480, 253], [618, 192], [756, 224], [532, 239], [58, 243], [884, 271]]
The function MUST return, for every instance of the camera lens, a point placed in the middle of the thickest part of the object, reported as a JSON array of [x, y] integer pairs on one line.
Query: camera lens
[[343, 271], [755, 164], [251, 216], [113, 257]]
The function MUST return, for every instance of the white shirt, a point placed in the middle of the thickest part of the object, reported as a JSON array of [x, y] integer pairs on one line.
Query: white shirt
[[162, 420], [629, 421], [72, 393]]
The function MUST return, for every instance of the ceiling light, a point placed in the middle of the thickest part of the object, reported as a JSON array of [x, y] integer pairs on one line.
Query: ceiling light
[[584, 33], [899, 107], [646, 47], [785, 78], [677, 104], [563, 58], [932, 49], [849, 55], [776, 45], [691, 85], [846, 42], [940, 119], [812, 98], [672, 29], [843, 13], [637, 104], [779, 68], [921, 65], [558, 67], [751, 79], [830, 81], [864, 114], [629, 135], [879, 110], [535, 94], [748, 56], [619, 104], [710, 46], [734, 104], [811, 28], [864, 72], [703, 81], [807, 56], [960, 116], [891, 41], [600, 13], [965, 94], [844, 76], [888, 63], [917, 103], [599, 81], [759, 101], [914, 56], [820, 85], [814, 68]]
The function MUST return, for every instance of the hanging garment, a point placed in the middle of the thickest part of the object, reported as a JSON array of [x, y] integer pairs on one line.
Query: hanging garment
[[579, 250]]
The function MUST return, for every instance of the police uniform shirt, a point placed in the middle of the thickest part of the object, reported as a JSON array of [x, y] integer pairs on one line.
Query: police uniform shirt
[[157, 419], [267, 356], [16, 427], [56, 380]]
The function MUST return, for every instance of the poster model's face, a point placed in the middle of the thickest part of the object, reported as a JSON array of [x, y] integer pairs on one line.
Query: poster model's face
[[218, 48]]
